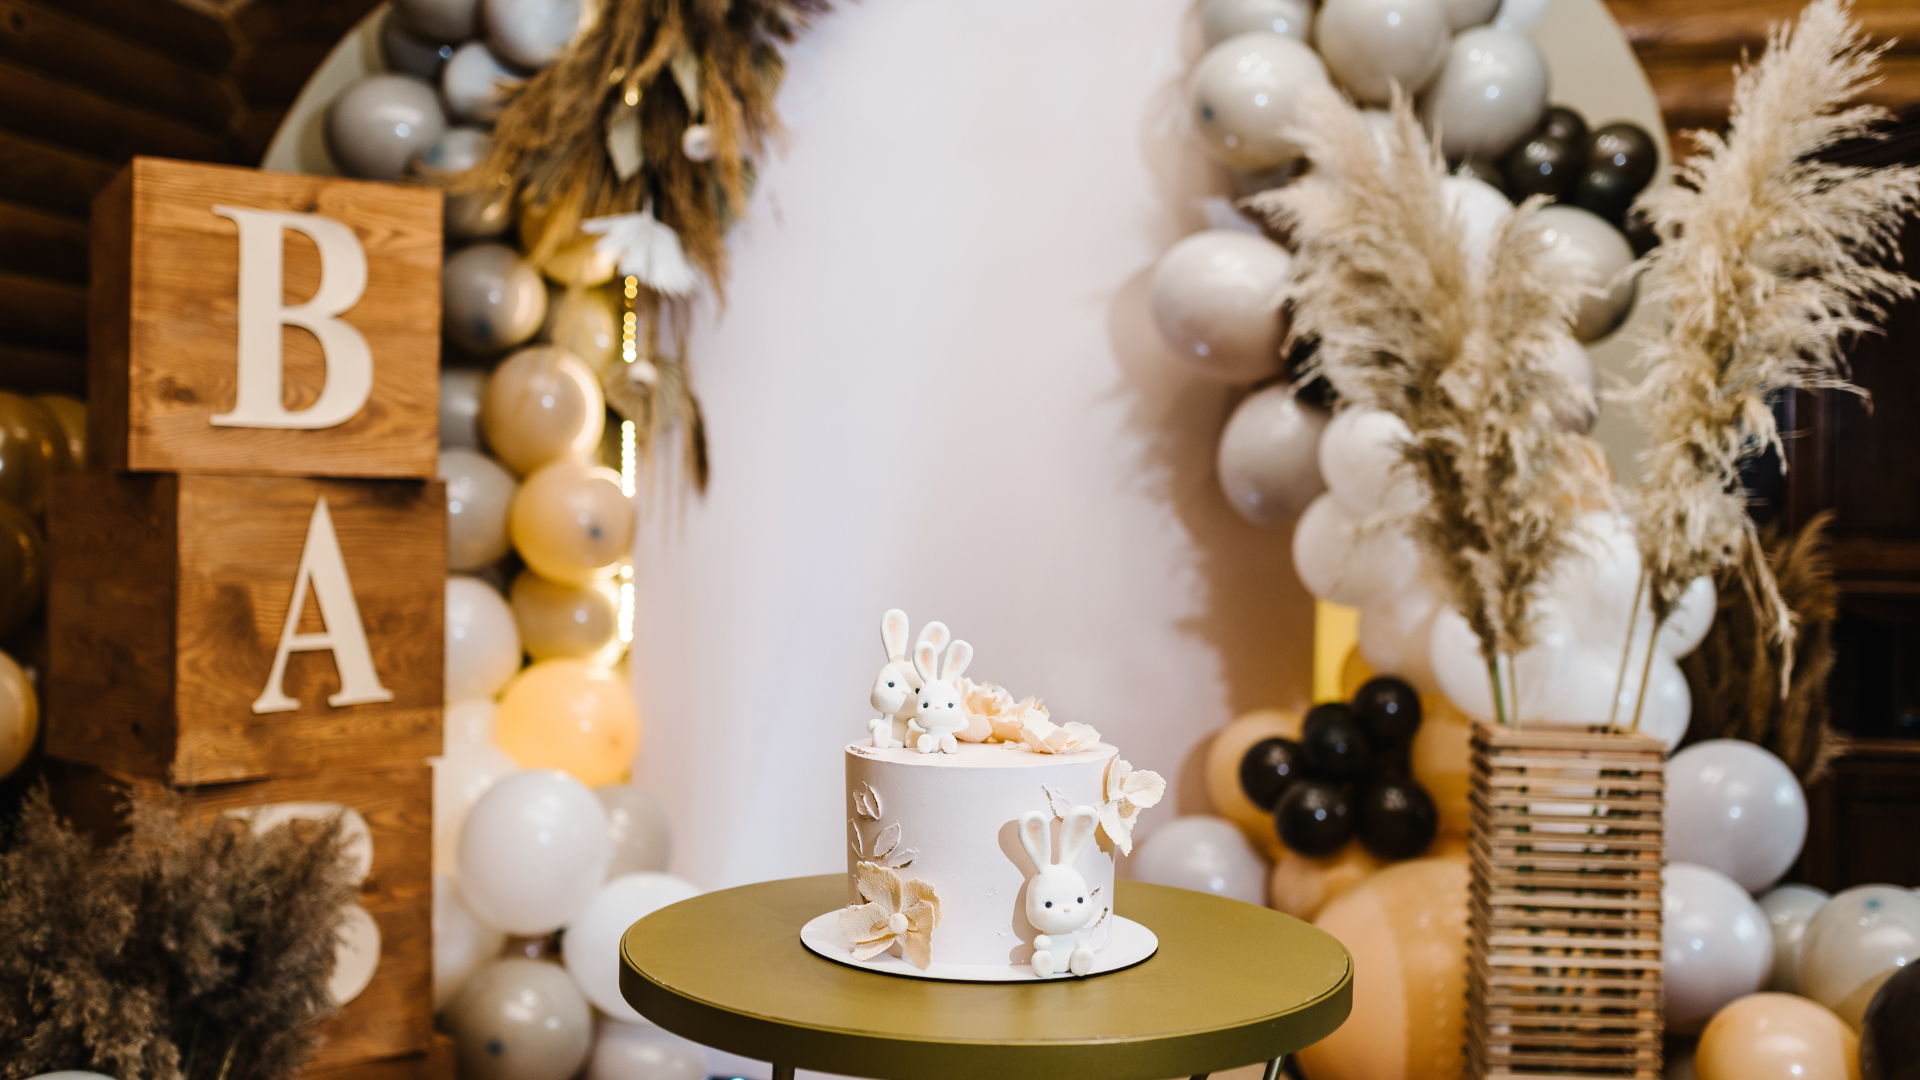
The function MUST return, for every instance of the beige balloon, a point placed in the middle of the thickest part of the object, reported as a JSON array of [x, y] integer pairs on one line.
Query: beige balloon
[[574, 260], [571, 522], [583, 322], [1302, 885], [1440, 758], [1776, 1037], [1406, 928], [542, 404], [71, 413], [1229, 745], [567, 620], [19, 715]]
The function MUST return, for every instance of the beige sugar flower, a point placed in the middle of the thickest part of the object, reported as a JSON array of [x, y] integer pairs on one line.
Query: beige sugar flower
[[1043, 736], [1128, 793], [894, 911], [985, 704]]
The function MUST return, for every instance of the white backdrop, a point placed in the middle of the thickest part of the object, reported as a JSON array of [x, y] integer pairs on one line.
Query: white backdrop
[[937, 387]]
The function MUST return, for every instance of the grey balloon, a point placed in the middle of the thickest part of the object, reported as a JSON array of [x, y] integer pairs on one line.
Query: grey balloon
[[1206, 854], [1789, 909], [376, 127], [471, 215], [408, 54], [446, 21], [1491, 91], [491, 299], [460, 391], [520, 1019], [1222, 19], [479, 492], [477, 85], [639, 827], [1372, 45], [530, 33], [1270, 457], [1601, 252], [644, 1052]]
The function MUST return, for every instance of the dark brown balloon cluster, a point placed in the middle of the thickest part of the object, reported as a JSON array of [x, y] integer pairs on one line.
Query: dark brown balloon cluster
[[1601, 170], [1346, 777]]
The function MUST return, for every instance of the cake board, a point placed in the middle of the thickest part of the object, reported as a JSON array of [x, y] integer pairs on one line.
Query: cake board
[[1231, 984], [1130, 944]]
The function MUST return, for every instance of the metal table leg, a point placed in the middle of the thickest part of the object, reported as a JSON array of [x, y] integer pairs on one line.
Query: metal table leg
[[1273, 1067], [782, 1072]]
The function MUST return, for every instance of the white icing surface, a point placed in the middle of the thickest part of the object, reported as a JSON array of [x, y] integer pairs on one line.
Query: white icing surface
[[960, 812]]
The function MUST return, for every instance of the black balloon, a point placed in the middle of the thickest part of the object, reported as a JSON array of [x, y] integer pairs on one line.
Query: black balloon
[[1543, 165], [1336, 747], [1388, 710], [1890, 1031], [1620, 161], [1313, 818], [1639, 233], [1269, 768], [1321, 713], [1563, 123], [1395, 818]]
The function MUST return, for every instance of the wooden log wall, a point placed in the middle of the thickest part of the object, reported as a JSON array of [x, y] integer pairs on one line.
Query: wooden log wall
[[87, 84]]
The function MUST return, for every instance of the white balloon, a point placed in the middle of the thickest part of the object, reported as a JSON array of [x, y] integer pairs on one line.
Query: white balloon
[[1206, 854], [644, 1052], [1395, 635], [1243, 97], [1339, 561], [479, 492], [1715, 945], [356, 955], [1789, 909], [476, 85], [1216, 302], [460, 943], [638, 825], [591, 947], [460, 392], [483, 645], [377, 125], [1576, 412], [1687, 624], [1853, 943], [1370, 46], [469, 721], [1669, 704], [530, 33], [1360, 459], [1735, 808], [532, 852], [1454, 652], [463, 773], [1490, 92], [1269, 458], [1584, 686], [520, 1019], [71, 1074], [1598, 579], [1481, 208], [1222, 19], [1584, 240]]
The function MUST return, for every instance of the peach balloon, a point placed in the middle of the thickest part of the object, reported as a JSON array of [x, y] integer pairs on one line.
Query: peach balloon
[[571, 522], [572, 716], [1440, 761], [542, 404], [1776, 1037], [1229, 745], [1302, 885], [1406, 928]]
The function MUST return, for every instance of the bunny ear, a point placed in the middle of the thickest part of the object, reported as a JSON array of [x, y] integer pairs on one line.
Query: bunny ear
[[959, 655], [936, 635], [925, 660], [1079, 830], [1034, 837], [893, 633]]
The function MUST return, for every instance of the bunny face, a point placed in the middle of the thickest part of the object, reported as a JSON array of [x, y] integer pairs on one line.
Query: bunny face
[[938, 701], [1058, 900], [893, 688]]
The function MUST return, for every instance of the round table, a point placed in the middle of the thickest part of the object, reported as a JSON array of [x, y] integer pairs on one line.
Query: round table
[[1233, 984]]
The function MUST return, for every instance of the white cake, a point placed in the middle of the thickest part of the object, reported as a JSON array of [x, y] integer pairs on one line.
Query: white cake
[[970, 818]]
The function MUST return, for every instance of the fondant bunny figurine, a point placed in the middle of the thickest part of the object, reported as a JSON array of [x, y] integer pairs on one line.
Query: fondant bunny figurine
[[938, 710], [1059, 904], [893, 688]]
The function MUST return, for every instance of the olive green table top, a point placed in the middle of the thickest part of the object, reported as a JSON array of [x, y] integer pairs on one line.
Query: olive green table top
[[1233, 984]]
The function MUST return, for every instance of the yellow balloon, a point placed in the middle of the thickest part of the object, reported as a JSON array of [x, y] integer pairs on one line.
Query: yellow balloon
[[32, 449], [542, 404], [1776, 1037], [19, 715], [1229, 745], [23, 566], [567, 620], [1354, 673], [1441, 761], [577, 260], [1302, 885], [571, 522], [1406, 927], [71, 414], [569, 715], [585, 323]]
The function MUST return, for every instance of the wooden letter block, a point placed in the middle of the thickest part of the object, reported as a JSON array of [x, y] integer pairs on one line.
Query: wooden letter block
[[180, 649], [246, 321]]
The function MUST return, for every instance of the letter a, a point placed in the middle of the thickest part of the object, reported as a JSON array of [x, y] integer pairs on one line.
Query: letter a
[[343, 278], [323, 568]]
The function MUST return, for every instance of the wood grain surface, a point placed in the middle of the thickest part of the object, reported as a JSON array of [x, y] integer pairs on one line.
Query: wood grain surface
[[166, 607], [178, 300]]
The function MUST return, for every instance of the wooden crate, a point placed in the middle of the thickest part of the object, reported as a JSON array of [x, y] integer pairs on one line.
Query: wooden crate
[[389, 1026], [165, 315], [167, 606], [1564, 915]]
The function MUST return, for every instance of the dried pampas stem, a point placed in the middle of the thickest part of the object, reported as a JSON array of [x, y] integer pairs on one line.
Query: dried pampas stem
[[1406, 323], [1768, 260]]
